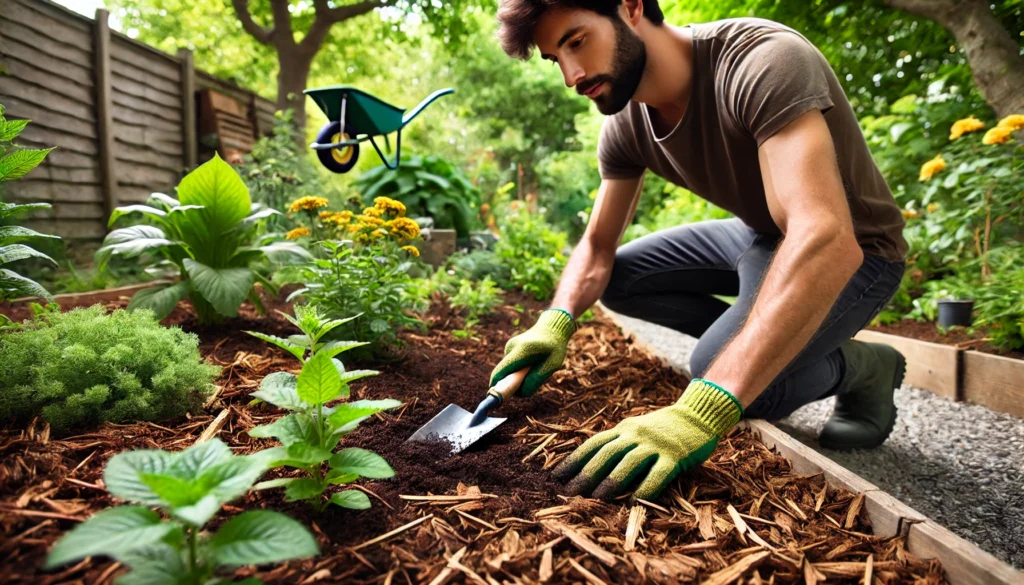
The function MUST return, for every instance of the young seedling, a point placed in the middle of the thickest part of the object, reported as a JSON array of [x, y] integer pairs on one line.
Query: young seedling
[[310, 434], [478, 299], [190, 486]]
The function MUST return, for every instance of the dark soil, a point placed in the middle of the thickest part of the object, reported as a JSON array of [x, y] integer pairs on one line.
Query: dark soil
[[512, 510], [958, 336]]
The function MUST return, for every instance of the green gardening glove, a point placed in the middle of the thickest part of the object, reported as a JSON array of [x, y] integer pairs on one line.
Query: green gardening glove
[[665, 441], [543, 346]]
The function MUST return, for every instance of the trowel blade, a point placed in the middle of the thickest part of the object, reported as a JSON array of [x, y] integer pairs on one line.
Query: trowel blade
[[452, 425]]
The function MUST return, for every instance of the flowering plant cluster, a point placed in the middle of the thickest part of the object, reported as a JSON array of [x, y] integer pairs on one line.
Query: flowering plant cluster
[[382, 223]]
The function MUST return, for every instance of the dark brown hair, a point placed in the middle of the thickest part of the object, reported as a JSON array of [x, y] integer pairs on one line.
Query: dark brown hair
[[518, 18]]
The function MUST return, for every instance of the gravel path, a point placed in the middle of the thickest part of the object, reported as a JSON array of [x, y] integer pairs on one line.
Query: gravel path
[[961, 465]]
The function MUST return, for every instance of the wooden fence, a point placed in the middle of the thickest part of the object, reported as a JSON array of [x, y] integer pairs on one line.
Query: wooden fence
[[121, 114]]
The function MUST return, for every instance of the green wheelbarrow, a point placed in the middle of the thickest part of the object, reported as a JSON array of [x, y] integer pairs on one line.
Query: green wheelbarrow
[[355, 117]]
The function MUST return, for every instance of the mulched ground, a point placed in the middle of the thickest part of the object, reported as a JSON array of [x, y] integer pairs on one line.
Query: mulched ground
[[491, 514], [957, 336]]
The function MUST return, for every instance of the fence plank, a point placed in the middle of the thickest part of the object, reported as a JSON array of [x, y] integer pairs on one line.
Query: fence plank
[[104, 115], [151, 59], [188, 105]]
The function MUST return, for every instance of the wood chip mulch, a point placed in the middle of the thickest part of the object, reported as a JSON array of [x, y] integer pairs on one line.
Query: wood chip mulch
[[490, 515]]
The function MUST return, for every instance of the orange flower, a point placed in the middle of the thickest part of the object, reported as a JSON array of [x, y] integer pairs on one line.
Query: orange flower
[[961, 127], [297, 233], [997, 135], [931, 167]]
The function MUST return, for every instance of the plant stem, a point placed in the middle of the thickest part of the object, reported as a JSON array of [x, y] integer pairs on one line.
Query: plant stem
[[192, 561]]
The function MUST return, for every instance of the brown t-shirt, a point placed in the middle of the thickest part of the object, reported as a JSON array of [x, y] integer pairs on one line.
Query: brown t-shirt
[[751, 77]]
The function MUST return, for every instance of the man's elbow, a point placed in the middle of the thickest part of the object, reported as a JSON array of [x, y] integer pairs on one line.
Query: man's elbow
[[837, 244]]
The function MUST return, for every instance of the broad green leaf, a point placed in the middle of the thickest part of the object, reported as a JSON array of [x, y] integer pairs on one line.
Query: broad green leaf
[[336, 477], [281, 390], [329, 326], [199, 513], [217, 187], [121, 475], [363, 462], [163, 199], [335, 347], [19, 163], [9, 129], [291, 429], [176, 491], [13, 234], [224, 288], [153, 213], [319, 380], [16, 252], [296, 350], [14, 285], [110, 532], [199, 459], [11, 210], [132, 241], [353, 375], [304, 489], [258, 215], [346, 416], [259, 537], [156, 564], [352, 499], [160, 299], [308, 454], [285, 253], [274, 483]]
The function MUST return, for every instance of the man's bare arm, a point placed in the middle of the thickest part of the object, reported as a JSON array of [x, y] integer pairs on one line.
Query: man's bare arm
[[818, 256], [590, 264]]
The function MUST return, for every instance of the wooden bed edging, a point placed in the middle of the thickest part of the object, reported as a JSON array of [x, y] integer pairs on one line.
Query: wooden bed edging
[[963, 561], [94, 296], [993, 381]]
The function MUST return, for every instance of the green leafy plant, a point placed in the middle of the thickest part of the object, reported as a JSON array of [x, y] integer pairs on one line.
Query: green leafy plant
[[429, 186], [83, 367], [477, 299], [532, 251], [190, 486], [310, 434], [480, 264], [207, 238], [15, 163], [371, 281]]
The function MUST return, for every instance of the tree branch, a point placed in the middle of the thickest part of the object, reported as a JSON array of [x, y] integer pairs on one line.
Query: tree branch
[[258, 32], [326, 17]]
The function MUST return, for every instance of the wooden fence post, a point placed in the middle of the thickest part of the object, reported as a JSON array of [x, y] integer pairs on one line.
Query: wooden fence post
[[104, 112], [188, 109]]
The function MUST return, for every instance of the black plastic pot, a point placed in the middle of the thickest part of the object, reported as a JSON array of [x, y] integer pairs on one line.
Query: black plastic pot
[[955, 312]]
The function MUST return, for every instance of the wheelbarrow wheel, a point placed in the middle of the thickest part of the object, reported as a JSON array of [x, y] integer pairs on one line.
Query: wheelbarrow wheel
[[338, 160]]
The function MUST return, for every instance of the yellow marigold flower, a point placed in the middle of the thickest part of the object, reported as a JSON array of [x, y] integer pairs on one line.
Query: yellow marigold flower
[[344, 215], [997, 135], [907, 214], [392, 206], [931, 167], [1013, 121], [961, 127], [307, 203], [933, 207], [406, 228], [378, 233], [355, 227], [326, 214], [371, 220], [373, 212], [297, 233], [412, 250]]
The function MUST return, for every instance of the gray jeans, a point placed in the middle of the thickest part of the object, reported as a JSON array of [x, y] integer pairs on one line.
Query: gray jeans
[[669, 277]]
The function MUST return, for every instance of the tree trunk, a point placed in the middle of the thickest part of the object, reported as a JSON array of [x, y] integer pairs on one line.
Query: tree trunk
[[994, 56], [292, 74]]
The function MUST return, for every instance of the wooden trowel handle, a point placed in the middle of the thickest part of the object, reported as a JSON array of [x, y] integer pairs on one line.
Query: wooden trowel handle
[[507, 386]]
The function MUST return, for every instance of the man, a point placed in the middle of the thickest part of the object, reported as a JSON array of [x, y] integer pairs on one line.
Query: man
[[747, 114]]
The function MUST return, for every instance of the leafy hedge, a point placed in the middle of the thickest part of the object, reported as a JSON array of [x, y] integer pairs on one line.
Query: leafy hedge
[[83, 367]]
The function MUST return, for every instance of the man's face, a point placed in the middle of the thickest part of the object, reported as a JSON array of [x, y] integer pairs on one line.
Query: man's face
[[601, 57]]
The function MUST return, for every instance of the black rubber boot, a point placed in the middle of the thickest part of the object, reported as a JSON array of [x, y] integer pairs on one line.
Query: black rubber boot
[[865, 412]]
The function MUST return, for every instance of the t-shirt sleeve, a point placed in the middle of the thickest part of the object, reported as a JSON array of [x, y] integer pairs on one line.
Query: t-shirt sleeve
[[617, 156], [774, 80]]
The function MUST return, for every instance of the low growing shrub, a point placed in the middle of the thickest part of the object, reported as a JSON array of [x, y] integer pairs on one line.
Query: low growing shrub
[[190, 486], [532, 251], [83, 367]]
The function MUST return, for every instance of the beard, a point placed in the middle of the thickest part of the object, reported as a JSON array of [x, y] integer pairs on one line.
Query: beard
[[628, 64]]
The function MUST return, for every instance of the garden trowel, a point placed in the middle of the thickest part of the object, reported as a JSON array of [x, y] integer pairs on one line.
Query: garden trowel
[[462, 428]]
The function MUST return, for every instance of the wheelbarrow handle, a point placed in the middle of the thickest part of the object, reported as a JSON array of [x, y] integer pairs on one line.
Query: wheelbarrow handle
[[506, 388]]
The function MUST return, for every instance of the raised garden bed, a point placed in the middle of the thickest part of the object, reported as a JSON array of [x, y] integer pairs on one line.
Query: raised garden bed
[[491, 514], [957, 337]]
